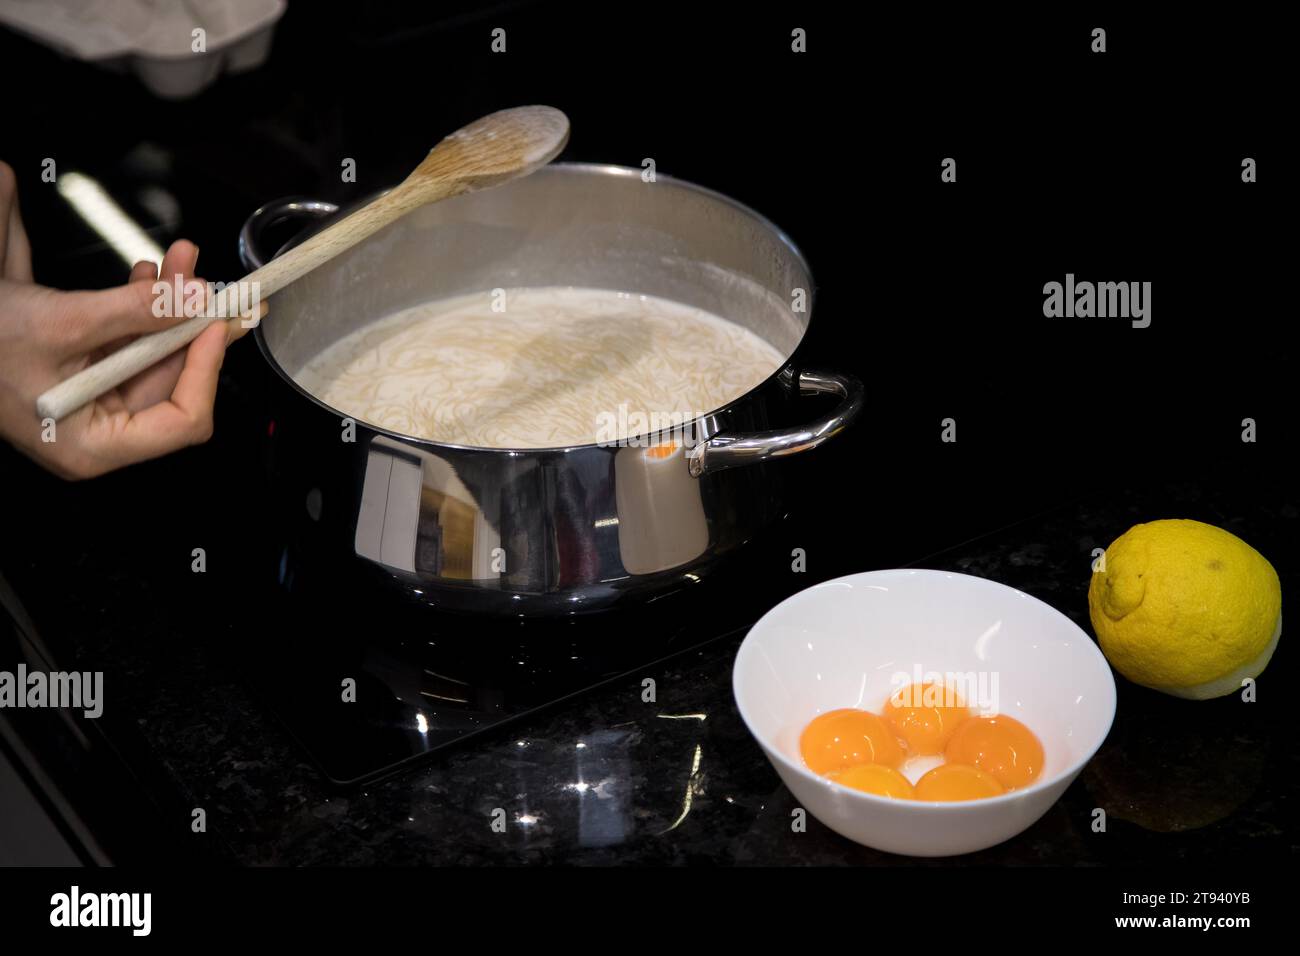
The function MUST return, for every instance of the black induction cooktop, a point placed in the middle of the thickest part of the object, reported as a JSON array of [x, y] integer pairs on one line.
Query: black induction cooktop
[[368, 684]]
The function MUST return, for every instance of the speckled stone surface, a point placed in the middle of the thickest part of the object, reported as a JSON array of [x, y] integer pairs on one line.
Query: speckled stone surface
[[611, 779]]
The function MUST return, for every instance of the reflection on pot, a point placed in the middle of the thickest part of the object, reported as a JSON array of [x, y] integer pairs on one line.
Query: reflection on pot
[[417, 516], [661, 518]]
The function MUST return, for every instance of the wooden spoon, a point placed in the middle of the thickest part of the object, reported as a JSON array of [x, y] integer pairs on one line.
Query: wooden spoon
[[499, 147]]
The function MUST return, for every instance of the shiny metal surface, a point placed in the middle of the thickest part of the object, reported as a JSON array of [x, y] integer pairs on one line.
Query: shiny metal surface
[[728, 450], [251, 241], [561, 530]]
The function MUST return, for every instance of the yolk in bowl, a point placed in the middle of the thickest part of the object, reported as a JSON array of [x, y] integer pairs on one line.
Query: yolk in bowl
[[956, 781], [925, 716], [875, 778], [1001, 746], [839, 739]]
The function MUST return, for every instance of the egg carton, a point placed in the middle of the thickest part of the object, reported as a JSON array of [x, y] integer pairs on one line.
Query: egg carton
[[153, 39]]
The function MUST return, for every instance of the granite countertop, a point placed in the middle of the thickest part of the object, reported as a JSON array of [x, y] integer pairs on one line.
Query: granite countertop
[[607, 778]]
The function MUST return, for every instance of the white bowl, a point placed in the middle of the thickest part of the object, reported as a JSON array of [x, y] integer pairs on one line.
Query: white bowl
[[849, 642]]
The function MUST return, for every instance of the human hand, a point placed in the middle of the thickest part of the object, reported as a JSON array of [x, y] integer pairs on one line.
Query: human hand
[[47, 335]]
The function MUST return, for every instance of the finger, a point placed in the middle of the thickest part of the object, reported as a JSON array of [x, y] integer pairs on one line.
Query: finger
[[181, 258], [143, 271], [183, 419], [18, 256], [235, 328], [8, 199], [196, 388]]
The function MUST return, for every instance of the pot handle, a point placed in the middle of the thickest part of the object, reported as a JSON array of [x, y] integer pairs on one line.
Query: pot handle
[[728, 451], [251, 253]]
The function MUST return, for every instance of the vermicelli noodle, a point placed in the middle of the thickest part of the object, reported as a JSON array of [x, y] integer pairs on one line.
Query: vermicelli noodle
[[538, 367]]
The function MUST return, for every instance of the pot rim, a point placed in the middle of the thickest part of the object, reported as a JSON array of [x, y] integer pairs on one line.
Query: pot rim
[[639, 440]]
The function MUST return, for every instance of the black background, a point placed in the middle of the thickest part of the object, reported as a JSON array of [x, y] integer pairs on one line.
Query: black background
[[1122, 166]]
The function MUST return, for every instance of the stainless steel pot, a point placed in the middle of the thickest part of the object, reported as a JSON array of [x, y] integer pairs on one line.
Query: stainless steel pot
[[541, 531]]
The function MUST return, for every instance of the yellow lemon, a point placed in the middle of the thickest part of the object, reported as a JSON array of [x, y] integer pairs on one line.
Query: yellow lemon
[[1185, 608]]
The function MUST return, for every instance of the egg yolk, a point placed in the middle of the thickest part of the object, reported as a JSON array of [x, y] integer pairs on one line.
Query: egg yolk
[[1001, 746], [875, 778], [957, 781], [839, 739], [925, 716]]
